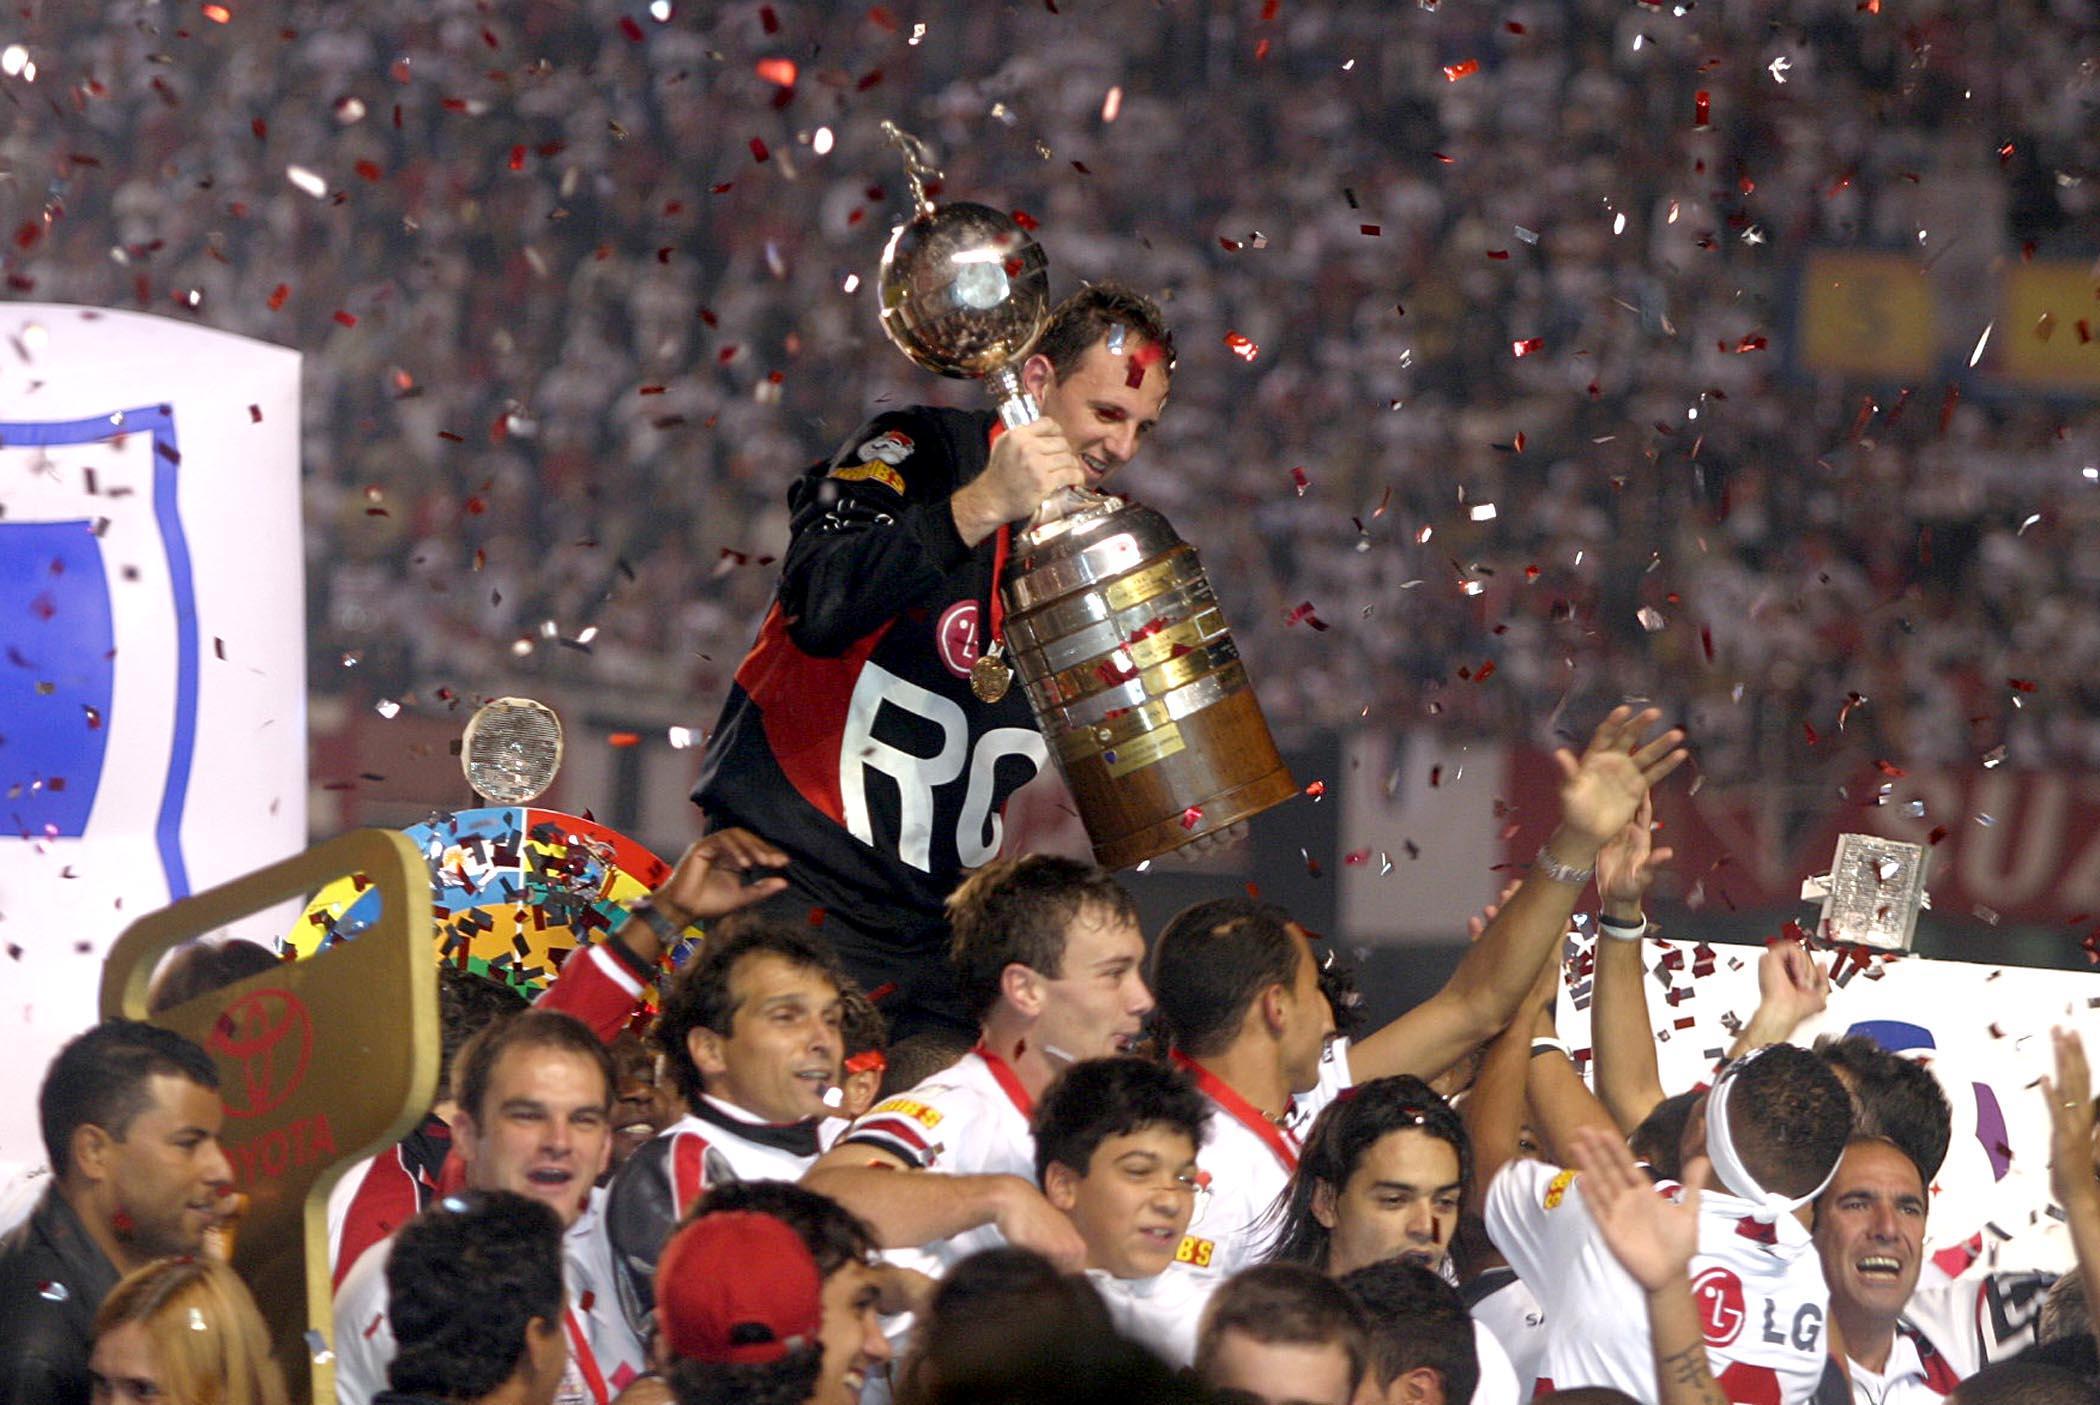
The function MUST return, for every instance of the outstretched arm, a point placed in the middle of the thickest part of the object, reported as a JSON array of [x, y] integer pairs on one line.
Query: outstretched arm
[[1791, 986], [908, 1207], [1654, 1240], [1627, 1076], [1494, 1111], [1561, 1103], [1599, 793], [2070, 1096]]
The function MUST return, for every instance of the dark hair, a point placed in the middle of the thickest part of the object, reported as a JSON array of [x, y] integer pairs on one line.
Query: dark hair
[[1659, 1140], [1892, 1097], [1017, 912], [2076, 1353], [1416, 1319], [1091, 314], [99, 1080], [1211, 962], [1280, 1304], [463, 1281], [862, 1029], [201, 967], [2064, 1309], [701, 994], [918, 1057], [528, 1029], [833, 1237], [1789, 1117], [1344, 1133], [1006, 1328], [467, 1004], [2022, 1382], [1096, 1099]]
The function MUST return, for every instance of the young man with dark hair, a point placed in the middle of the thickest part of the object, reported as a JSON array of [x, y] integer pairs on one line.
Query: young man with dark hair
[[130, 1116], [1422, 1342], [475, 1300], [1050, 950], [535, 1118], [1282, 1334], [1758, 1150], [1239, 992], [750, 1035], [1892, 1097], [872, 732], [1115, 1150], [770, 1296]]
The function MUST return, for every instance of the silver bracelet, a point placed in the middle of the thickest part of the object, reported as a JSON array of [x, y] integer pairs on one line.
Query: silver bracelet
[[1559, 872], [1544, 1045], [1622, 931]]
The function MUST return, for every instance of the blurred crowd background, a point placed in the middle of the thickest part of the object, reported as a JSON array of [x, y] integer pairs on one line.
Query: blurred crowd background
[[1520, 413]]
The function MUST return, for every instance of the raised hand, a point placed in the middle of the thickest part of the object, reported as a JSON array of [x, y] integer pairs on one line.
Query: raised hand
[[1601, 791], [1626, 866], [1791, 984], [1652, 1237], [2070, 1096], [1028, 1221], [708, 880]]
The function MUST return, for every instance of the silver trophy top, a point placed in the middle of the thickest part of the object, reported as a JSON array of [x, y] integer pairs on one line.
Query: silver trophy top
[[511, 750]]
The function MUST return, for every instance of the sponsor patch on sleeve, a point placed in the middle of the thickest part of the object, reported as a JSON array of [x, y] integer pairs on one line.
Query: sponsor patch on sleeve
[[892, 447], [1195, 1252], [874, 470], [927, 1117], [1557, 1189]]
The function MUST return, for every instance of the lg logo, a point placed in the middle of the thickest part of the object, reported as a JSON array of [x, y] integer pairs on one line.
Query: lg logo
[[1719, 1296], [978, 832]]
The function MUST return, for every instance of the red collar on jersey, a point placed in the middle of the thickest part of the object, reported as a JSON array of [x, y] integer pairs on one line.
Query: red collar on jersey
[[1282, 1143], [1010, 1082]]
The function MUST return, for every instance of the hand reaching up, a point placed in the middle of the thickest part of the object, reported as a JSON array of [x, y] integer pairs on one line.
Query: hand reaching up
[[1601, 791]]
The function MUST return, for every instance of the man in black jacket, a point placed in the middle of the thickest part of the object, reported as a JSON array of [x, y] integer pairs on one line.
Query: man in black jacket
[[858, 737], [130, 1115]]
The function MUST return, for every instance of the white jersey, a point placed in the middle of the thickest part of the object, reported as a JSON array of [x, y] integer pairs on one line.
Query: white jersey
[[970, 1119], [1979, 1319], [1915, 1373], [1498, 1384], [603, 1354], [1161, 1312], [1759, 1290], [720, 1142], [1247, 1161], [1501, 1302]]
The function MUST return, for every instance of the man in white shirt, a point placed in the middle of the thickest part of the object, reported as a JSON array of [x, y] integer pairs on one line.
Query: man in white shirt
[[750, 1034], [535, 1117], [1239, 993], [1870, 1233], [1764, 1143], [1048, 954], [1115, 1150]]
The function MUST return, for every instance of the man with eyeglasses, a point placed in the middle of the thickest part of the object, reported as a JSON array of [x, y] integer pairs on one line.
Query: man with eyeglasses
[[1115, 1151]]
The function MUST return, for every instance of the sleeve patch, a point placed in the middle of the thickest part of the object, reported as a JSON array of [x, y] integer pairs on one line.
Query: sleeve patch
[[1194, 1251], [927, 1117], [878, 472], [1557, 1189], [892, 447]]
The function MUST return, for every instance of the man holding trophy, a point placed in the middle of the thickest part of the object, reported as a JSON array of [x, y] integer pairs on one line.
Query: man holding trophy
[[873, 732]]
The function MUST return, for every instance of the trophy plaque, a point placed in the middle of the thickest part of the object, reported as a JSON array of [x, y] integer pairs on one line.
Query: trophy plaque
[[1874, 891]]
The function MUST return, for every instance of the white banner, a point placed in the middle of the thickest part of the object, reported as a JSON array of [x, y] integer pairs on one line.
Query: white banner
[[152, 622], [1983, 1030]]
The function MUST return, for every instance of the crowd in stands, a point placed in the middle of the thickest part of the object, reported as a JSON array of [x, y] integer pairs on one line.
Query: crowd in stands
[[568, 337], [1166, 1170]]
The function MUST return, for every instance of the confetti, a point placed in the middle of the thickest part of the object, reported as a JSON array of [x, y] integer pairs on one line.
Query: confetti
[[1465, 68], [1241, 347]]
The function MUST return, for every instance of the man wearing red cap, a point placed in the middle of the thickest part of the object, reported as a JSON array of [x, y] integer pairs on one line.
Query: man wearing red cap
[[771, 1296]]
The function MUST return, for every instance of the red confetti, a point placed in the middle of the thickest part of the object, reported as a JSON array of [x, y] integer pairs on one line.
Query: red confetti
[[28, 235], [1498, 253], [348, 319], [1887, 769], [1525, 347], [517, 158], [217, 14], [877, 16], [779, 72], [2019, 685], [255, 414], [1370, 229], [1811, 731], [1939, 833], [1464, 69], [1702, 109], [1261, 51], [1514, 28], [1241, 346], [1706, 642], [868, 80], [1191, 817], [770, 22], [1316, 789], [1487, 671], [371, 172], [652, 390], [631, 29], [1026, 220], [1304, 613], [758, 150], [1300, 481], [624, 739]]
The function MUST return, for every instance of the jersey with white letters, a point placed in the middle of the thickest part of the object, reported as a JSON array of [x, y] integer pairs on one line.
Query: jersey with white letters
[[1759, 1289], [970, 1119], [1501, 1302], [1246, 1161], [1161, 1312], [851, 738]]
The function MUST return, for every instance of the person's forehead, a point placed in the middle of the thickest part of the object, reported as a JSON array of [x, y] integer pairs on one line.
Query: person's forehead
[[532, 1069], [1411, 1149], [1104, 374], [175, 1098], [1278, 1368], [1098, 933], [1168, 1143], [768, 975], [1876, 1166]]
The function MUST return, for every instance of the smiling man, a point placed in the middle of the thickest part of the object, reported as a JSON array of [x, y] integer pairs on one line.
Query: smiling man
[[1115, 1150], [130, 1116], [1870, 1233], [535, 1117], [1047, 953], [860, 737]]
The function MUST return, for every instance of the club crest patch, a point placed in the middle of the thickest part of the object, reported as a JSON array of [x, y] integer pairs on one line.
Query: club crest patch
[[892, 447], [1557, 1189]]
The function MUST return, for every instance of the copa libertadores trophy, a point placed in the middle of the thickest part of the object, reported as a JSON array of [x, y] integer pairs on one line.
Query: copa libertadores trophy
[[1111, 624]]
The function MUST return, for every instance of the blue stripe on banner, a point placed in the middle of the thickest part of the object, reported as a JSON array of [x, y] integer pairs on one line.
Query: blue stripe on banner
[[54, 590], [159, 421]]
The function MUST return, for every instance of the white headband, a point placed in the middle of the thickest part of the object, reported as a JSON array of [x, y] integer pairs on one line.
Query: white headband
[[1735, 1177]]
